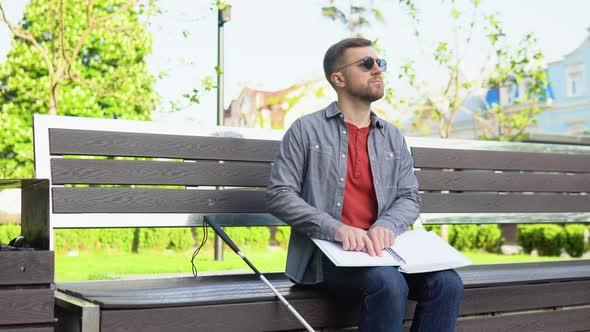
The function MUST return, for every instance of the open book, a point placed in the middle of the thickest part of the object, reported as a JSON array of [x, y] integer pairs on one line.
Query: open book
[[414, 252]]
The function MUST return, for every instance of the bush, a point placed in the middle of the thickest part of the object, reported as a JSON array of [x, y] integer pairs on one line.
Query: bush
[[433, 228], [253, 237], [181, 239], [546, 238], [489, 238], [574, 244], [463, 237], [9, 232], [282, 236], [528, 237]]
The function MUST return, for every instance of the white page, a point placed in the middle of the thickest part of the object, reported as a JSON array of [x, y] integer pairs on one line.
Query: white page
[[425, 251], [422, 251], [343, 258]]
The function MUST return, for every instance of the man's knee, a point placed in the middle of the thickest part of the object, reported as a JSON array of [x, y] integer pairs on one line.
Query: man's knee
[[449, 283], [390, 282]]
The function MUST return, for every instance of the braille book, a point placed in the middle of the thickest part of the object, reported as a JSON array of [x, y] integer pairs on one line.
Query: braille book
[[414, 251]]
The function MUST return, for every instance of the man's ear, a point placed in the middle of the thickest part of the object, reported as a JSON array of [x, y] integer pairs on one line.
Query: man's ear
[[337, 79]]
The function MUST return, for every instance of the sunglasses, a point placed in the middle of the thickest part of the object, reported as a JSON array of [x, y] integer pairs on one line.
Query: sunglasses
[[367, 63]]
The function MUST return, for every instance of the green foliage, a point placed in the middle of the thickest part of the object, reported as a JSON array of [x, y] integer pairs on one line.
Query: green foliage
[[489, 238], [574, 244], [463, 237], [9, 232], [101, 75], [521, 65], [469, 237], [177, 239], [249, 237], [547, 239], [355, 17], [282, 236]]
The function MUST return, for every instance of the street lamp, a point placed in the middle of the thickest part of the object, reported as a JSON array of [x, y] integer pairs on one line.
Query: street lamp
[[223, 16]]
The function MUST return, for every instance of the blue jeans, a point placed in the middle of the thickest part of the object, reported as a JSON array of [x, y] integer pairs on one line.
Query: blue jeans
[[385, 291]]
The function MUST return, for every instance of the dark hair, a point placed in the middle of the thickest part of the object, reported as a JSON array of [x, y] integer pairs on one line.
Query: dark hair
[[335, 54]]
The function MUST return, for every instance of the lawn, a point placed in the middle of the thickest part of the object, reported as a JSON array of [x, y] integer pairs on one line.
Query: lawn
[[114, 265]]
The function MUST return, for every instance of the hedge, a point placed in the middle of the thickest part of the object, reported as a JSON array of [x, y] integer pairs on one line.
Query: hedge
[[550, 239], [8, 232], [141, 239], [469, 237]]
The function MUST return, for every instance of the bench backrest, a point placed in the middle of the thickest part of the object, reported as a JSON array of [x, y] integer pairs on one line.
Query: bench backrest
[[116, 173]]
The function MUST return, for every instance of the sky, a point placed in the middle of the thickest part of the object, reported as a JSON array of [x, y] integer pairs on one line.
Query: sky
[[273, 44]]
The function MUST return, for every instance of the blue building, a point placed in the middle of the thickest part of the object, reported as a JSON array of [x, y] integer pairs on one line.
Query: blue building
[[566, 111], [570, 79]]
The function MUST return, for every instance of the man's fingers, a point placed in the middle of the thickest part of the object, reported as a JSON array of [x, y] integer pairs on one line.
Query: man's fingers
[[391, 238], [376, 246], [381, 238], [370, 248], [351, 241]]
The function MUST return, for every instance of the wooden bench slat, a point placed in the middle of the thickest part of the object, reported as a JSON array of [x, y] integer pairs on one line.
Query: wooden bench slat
[[29, 328], [566, 320], [500, 160], [498, 203], [26, 267], [26, 306], [128, 200], [525, 297], [243, 317], [523, 182], [104, 143], [201, 173]]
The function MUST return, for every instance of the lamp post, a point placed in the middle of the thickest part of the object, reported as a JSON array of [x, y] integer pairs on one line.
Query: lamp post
[[223, 16]]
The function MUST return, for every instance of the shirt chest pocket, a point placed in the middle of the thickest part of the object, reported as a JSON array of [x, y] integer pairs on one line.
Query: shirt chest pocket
[[390, 170], [321, 159]]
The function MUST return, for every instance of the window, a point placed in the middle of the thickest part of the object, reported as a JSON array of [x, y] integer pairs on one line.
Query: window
[[508, 94], [575, 80]]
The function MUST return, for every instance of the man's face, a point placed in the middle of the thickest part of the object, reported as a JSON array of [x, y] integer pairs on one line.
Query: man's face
[[358, 81]]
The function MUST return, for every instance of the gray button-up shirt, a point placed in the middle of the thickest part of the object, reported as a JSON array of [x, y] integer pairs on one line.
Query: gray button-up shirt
[[306, 187]]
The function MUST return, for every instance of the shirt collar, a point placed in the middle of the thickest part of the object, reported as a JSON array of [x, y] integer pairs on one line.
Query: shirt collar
[[333, 110]]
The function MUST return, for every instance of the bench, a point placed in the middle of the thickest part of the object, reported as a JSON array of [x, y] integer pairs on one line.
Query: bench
[[26, 276], [223, 172]]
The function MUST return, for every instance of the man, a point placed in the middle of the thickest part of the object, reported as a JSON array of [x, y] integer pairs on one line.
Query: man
[[343, 174]]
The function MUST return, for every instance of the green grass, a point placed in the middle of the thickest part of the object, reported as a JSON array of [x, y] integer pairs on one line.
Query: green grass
[[113, 265], [478, 257], [101, 265]]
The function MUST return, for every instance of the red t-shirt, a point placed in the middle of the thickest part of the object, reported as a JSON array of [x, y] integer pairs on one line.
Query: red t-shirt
[[359, 208]]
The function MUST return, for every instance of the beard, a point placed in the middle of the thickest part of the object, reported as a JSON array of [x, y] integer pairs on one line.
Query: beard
[[372, 94], [368, 93]]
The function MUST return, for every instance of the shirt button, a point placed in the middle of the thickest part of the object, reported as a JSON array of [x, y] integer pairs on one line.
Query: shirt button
[[391, 155], [341, 115], [344, 132], [317, 146], [338, 204], [343, 155], [341, 179]]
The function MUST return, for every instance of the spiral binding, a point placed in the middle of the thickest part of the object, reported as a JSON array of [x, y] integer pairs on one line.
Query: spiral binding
[[395, 255]]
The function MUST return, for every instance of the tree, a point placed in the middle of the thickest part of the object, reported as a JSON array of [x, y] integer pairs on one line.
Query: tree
[[72, 58], [523, 68], [440, 106], [354, 16]]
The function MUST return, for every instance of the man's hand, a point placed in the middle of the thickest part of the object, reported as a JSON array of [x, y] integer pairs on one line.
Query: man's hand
[[381, 237], [354, 239]]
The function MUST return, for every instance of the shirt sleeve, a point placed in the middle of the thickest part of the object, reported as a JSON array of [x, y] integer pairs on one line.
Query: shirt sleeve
[[284, 190], [405, 208]]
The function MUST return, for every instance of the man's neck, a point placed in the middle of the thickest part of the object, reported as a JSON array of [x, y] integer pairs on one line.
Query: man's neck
[[355, 111]]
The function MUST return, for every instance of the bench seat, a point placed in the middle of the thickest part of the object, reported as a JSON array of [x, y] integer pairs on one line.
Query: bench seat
[[536, 293]]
